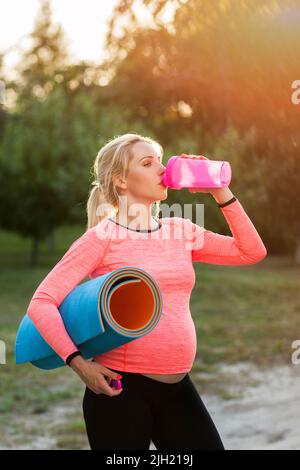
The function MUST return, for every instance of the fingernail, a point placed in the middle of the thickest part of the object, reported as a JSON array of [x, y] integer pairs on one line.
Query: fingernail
[[119, 376]]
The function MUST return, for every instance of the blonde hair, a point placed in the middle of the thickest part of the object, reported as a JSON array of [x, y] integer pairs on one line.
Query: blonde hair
[[112, 159]]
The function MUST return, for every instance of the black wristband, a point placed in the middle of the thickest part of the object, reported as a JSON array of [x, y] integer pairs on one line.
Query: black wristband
[[228, 202], [71, 356]]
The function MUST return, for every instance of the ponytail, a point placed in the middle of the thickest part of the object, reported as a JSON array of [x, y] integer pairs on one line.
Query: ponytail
[[97, 208]]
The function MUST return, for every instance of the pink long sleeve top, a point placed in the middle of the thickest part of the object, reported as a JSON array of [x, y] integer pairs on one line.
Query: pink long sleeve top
[[166, 253]]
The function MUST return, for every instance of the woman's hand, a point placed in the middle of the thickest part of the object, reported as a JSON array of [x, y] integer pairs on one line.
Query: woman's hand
[[95, 376]]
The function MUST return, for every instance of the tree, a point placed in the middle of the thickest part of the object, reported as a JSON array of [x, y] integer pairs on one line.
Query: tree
[[232, 65], [49, 139], [47, 56], [45, 157]]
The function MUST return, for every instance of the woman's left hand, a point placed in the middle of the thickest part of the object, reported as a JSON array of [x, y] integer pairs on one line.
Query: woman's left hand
[[197, 190]]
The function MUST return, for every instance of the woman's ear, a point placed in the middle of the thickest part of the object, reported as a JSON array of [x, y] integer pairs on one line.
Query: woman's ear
[[120, 182]]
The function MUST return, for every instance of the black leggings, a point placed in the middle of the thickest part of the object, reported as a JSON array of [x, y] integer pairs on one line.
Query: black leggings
[[173, 416]]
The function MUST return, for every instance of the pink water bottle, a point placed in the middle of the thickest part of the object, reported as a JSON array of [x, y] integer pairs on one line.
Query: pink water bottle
[[183, 172]]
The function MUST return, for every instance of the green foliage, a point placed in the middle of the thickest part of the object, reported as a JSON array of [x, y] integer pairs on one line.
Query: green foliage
[[216, 81], [45, 159], [232, 65]]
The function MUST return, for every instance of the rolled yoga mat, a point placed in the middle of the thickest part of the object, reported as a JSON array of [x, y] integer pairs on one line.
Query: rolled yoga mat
[[99, 315]]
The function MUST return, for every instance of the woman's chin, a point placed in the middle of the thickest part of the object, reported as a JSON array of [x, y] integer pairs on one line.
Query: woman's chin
[[163, 196], [162, 193]]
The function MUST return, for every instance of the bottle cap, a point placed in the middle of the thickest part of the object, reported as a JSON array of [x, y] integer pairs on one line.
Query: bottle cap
[[225, 174], [116, 384]]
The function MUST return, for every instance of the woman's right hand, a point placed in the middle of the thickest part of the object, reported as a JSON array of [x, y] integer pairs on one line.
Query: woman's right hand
[[95, 376]]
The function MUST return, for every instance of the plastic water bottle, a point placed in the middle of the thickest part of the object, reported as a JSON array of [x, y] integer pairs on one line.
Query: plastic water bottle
[[184, 172]]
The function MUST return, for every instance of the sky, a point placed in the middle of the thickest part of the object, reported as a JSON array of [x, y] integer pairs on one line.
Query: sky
[[84, 22]]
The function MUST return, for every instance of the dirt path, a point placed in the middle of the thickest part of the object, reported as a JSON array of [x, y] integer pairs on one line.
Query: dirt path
[[265, 414]]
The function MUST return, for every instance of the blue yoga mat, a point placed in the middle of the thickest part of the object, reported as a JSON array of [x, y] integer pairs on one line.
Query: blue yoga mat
[[99, 315]]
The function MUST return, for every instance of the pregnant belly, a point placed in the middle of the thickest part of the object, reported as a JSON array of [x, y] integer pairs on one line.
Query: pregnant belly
[[171, 345], [166, 378]]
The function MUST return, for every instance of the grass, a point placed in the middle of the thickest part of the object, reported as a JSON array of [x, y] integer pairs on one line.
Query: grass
[[246, 313], [241, 313]]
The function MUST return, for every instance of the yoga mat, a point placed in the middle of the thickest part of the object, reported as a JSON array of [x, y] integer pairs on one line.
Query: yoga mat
[[99, 315]]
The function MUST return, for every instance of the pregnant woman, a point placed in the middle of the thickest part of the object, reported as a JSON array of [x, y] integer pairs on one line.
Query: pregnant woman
[[158, 400]]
